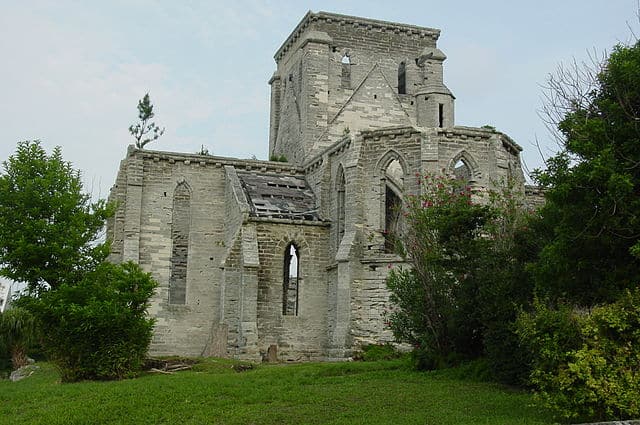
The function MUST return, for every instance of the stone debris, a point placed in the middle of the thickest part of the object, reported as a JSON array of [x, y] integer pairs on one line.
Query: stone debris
[[23, 372]]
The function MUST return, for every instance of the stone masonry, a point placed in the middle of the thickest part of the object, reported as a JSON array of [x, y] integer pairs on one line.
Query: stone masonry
[[262, 259]]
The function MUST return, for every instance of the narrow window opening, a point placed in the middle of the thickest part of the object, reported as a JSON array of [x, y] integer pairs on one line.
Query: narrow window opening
[[345, 80], [180, 226], [392, 215], [440, 115], [402, 79], [394, 177], [290, 287], [340, 225]]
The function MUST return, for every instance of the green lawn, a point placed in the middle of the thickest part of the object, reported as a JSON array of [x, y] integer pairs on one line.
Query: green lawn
[[383, 392]]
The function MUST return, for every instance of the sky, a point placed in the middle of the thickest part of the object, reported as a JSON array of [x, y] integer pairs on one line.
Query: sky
[[72, 72]]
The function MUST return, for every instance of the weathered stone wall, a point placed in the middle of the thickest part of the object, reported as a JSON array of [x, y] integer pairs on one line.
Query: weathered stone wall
[[115, 224], [317, 97], [302, 336], [183, 328], [491, 156]]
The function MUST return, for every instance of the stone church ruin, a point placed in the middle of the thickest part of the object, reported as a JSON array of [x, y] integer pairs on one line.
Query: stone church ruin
[[257, 258]]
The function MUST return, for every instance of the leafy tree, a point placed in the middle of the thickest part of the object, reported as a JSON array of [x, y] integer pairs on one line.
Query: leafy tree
[[467, 280], [145, 131], [436, 300], [49, 228], [592, 215], [505, 286], [97, 328]]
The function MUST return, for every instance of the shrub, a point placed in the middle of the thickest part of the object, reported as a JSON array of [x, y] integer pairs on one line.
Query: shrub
[[376, 352], [436, 300], [587, 366], [97, 329], [17, 335], [278, 158]]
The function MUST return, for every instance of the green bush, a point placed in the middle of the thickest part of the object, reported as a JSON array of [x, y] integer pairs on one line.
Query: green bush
[[17, 336], [587, 366], [5, 358], [278, 158], [376, 352], [97, 329]]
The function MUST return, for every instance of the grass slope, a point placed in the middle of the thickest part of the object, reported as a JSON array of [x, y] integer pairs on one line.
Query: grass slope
[[383, 392]]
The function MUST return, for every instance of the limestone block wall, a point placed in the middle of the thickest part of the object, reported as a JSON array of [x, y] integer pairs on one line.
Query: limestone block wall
[[141, 231], [231, 299], [492, 156], [370, 301], [369, 42], [183, 327], [115, 224], [379, 149], [302, 336]]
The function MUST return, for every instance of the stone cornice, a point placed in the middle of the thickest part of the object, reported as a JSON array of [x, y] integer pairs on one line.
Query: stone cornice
[[216, 161], [369, 24]]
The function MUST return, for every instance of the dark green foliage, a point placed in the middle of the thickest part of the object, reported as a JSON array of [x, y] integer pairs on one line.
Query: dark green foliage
[[436, 300], [467, 282], [506, 287], [377, 352], [593, 186], [146, 127], [17, 335], [278, 158], [48, 227], [97, 328], [586, 365], [585, 359], [550, 335]]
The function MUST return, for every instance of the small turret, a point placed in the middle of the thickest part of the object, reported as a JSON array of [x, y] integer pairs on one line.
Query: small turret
[[434, 101]]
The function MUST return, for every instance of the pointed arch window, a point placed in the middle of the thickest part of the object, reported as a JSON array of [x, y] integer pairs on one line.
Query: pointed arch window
[[402, 78], [291, 281], [462, 171], [180, 227], [340, 206], [394, 182]]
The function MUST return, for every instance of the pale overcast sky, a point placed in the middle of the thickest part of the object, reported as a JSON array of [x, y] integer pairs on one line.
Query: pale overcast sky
[[72, 71]]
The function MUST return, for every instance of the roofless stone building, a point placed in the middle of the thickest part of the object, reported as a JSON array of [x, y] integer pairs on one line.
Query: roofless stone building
[[257, 257]]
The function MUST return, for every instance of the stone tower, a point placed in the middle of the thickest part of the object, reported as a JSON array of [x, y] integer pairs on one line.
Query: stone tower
[[338, 74]]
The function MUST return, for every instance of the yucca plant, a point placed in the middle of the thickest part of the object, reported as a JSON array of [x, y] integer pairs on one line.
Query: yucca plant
[[17, 333]]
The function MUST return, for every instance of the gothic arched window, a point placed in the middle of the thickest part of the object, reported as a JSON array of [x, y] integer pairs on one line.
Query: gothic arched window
[[291, 281], [180, 226], [394, 182], [462, 170], [340, 205]]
